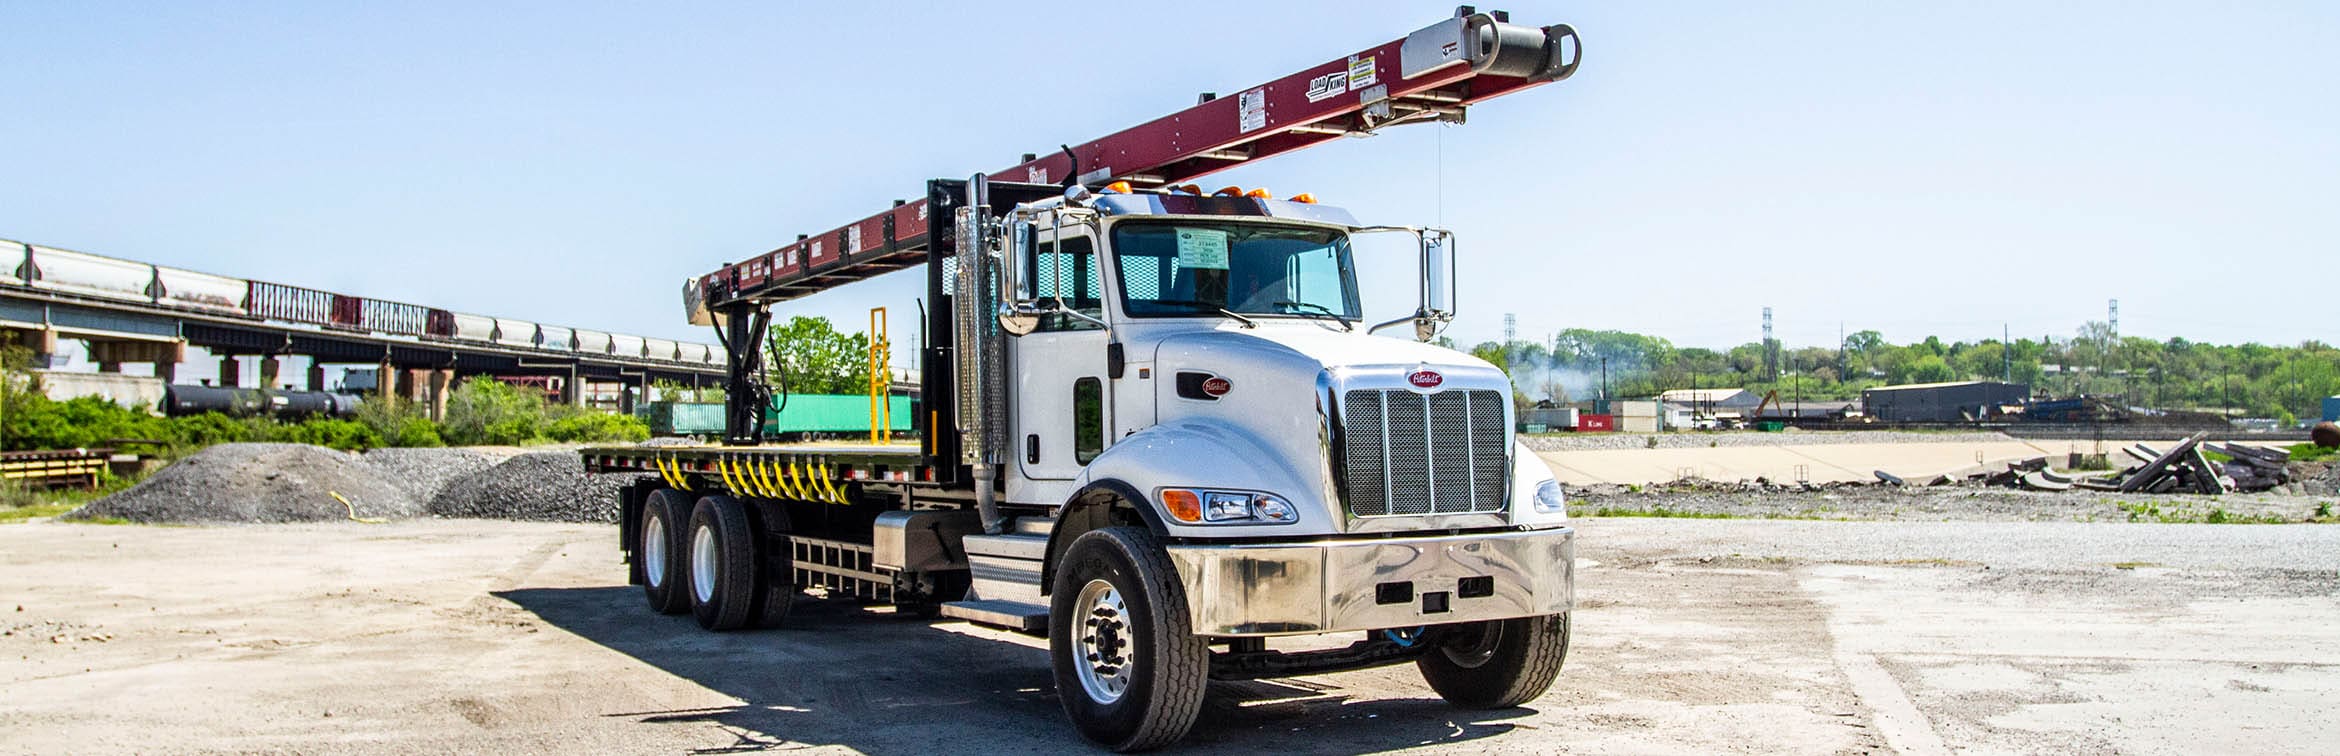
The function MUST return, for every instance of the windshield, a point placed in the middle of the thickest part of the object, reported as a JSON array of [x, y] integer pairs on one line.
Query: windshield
[[1195, 268]]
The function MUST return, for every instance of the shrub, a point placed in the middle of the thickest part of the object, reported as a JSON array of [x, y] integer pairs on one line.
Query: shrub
[[346, 435], [587, 427], [484, 411]]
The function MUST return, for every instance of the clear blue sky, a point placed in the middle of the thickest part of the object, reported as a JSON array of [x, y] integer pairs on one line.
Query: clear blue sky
[[1934, 168]]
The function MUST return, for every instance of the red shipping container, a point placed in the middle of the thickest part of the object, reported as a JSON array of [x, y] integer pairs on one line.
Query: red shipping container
[[1596, 423]]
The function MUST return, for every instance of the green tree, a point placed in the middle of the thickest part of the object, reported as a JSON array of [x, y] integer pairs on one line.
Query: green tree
[[812, 357]]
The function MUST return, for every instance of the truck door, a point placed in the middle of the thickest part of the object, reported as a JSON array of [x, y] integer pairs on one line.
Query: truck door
[[1062, 398]]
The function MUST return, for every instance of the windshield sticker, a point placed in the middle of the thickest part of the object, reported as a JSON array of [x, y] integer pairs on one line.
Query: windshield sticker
[[1202, 248]]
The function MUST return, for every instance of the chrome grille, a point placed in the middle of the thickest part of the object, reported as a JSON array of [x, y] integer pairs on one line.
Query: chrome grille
[[1405, 453]]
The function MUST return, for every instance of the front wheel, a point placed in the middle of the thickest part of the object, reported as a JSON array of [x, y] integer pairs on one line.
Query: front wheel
[[1129, 669], [1497, 664]]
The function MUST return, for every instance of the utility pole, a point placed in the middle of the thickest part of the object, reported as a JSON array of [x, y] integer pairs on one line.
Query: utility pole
[[2007, 353], [1604, 385]]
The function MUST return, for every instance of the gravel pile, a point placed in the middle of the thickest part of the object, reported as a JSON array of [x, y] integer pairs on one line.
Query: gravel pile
[[232, 483], [1791, 437], [547, 485], [424, 473]]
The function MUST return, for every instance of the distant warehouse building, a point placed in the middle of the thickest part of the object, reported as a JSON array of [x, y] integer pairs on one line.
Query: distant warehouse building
[[1962, 401]]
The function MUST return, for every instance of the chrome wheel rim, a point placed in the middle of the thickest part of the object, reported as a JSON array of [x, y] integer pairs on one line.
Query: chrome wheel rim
[[654, 551], [703, 563], [1102, 653]]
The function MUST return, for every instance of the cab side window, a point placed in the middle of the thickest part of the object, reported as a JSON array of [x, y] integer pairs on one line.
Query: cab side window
[[1067, 270]]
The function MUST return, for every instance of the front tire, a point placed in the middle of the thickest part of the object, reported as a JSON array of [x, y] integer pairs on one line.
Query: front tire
[[723, 572], [1497, 664], [658, 553], [1130, 671]]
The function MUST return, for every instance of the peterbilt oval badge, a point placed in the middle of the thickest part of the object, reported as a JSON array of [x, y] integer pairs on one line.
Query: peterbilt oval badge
[[1217, 386], [1425, 378]]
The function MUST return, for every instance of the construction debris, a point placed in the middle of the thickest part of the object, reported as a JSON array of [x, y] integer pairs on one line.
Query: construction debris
[[2183, 468], [2255, 468]]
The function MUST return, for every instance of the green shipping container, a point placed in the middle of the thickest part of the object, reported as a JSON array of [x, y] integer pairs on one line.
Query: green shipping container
[[829, 413], [681, 418], [803, 413]]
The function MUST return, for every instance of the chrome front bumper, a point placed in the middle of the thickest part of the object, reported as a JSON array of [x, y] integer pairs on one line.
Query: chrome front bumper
[[1337, 586]]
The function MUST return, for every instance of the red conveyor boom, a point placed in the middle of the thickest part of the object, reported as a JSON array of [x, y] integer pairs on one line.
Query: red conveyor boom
[[1431, 74]]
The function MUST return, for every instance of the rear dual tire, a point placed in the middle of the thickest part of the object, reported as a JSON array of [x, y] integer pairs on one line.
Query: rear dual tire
[[659, 552], [726, 564]]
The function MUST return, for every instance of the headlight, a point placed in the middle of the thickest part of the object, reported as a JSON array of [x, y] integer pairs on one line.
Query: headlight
[[1196, 506], [1548, 499]]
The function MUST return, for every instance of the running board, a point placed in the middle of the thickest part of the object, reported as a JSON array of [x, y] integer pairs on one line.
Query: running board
[[1013, 615]]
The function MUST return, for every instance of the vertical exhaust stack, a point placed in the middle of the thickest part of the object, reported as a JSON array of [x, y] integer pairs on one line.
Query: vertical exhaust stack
[[976, 344]]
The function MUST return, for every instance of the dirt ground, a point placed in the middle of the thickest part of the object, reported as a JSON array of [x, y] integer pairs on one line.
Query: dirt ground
[[1693, 636]]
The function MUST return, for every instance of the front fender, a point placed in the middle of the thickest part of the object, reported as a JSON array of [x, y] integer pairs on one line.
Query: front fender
[[1212, 453]]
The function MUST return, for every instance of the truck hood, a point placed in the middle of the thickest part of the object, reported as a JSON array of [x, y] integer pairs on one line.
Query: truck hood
[[1307, 347]]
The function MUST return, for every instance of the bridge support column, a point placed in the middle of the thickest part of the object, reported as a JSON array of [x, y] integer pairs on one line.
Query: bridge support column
[[440, 381], [231, 372], [386, 382], [316, 376], [167, 371], [270, 367], [109, 367], [572, 392]]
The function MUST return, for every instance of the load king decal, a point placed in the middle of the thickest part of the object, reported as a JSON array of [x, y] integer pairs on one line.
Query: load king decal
[[1360, 73]]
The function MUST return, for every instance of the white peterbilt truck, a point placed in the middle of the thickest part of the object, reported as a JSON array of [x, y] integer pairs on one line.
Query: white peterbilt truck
[[1153, 423]]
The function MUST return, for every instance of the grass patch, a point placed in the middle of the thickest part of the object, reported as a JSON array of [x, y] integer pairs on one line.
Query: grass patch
[[2178, 513], [19, 503], [2312, 452], [1662, 512], [51, 509]]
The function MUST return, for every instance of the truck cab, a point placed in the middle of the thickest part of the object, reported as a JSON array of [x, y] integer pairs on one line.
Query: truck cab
[[1192, 376]]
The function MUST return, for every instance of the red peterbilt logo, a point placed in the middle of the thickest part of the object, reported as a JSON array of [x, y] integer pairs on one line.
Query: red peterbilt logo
[[1425, 378], [1217, 386]]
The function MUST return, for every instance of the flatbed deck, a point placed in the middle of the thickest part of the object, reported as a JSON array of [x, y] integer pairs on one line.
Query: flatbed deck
[[803, 471]]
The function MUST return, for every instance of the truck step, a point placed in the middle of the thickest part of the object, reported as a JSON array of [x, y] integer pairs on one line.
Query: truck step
[[1039, 526], [1013, 615], [1010, 545], [1005, 567]]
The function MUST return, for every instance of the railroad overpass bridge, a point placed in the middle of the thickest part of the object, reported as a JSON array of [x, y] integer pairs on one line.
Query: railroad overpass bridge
[[129, 312]]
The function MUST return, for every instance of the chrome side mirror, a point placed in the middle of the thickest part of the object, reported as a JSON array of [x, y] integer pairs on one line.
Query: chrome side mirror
[[1438, 272], [1017, 319]]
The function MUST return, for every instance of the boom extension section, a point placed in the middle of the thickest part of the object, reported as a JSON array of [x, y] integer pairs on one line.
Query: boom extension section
[[1432, 74]]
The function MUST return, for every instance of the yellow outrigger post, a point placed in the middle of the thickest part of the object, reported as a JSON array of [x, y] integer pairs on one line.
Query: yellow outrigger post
[[881, 406]]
